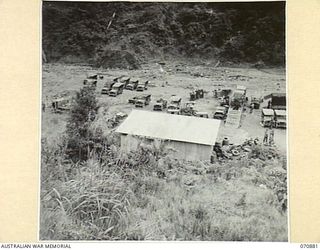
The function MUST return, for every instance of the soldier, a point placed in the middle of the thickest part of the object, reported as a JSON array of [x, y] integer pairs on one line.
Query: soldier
[[266, 135], [271, 137], [251, 107], [269, 104]]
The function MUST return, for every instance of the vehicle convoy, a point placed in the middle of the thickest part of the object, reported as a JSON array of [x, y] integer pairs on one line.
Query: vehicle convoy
[[117, 89], [174, 106], [142, 101], [132, 85], [220, 113], [143, 86], [160, 105]]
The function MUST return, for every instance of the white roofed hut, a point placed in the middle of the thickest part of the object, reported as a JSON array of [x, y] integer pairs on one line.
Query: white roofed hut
[[191, 138]]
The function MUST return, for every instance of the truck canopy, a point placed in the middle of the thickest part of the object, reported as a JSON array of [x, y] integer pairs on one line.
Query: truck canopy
[[175, 98], [118, 85], [268, 112], [280, 113]]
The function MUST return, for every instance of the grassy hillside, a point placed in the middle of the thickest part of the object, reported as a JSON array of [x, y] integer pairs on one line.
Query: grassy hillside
[[147, 196], [92, 191], [241, 32]]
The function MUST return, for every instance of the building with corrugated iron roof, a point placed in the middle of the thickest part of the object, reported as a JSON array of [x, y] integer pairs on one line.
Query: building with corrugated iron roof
[[191, 138]]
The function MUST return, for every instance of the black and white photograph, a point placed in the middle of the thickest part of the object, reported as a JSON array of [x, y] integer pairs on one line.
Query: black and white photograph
[[163, 121]]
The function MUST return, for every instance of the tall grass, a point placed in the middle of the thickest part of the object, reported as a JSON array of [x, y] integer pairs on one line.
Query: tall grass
[[145, 195]]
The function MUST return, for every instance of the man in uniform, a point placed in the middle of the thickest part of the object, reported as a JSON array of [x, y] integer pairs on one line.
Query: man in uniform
[[271, 137], [266, 135]]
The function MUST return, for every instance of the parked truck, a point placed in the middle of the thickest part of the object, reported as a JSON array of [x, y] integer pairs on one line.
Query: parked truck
[[174, 106], [142, 86], [160, 105], [132, 85], [133, 100], [60, 105], [220, 113], [276, 101], [90, 82], [117, 89], [280, 118], [144, 100], [188, 109], [107, 87]]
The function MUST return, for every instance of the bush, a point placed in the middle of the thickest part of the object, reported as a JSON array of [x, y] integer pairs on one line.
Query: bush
[[80, 138]]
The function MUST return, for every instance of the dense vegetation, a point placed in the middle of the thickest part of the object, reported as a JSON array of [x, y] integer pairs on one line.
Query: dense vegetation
[[229, 32], [98, 193]]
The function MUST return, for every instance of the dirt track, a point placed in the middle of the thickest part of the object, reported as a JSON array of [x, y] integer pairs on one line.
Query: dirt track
[[181, 78]]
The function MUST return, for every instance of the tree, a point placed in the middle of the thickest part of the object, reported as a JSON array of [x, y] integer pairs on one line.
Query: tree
[[79, 136]]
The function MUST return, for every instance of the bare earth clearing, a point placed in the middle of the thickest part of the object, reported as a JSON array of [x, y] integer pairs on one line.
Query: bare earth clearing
[[181, 78]]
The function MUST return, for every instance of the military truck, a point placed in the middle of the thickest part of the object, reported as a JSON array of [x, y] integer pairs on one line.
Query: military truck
[[132, 85], [277, 101], [280, 118], [173, 109], [160, 105], [90, 82], [174, 99], [107, 87], [174, 106], [142, 101], [220, 113], [60, 105], [142, 86], [267, 117], [132, 100], [188, 109], [117, 89]]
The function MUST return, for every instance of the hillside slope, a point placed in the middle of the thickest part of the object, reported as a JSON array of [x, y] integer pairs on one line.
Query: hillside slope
[[241, 32]]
